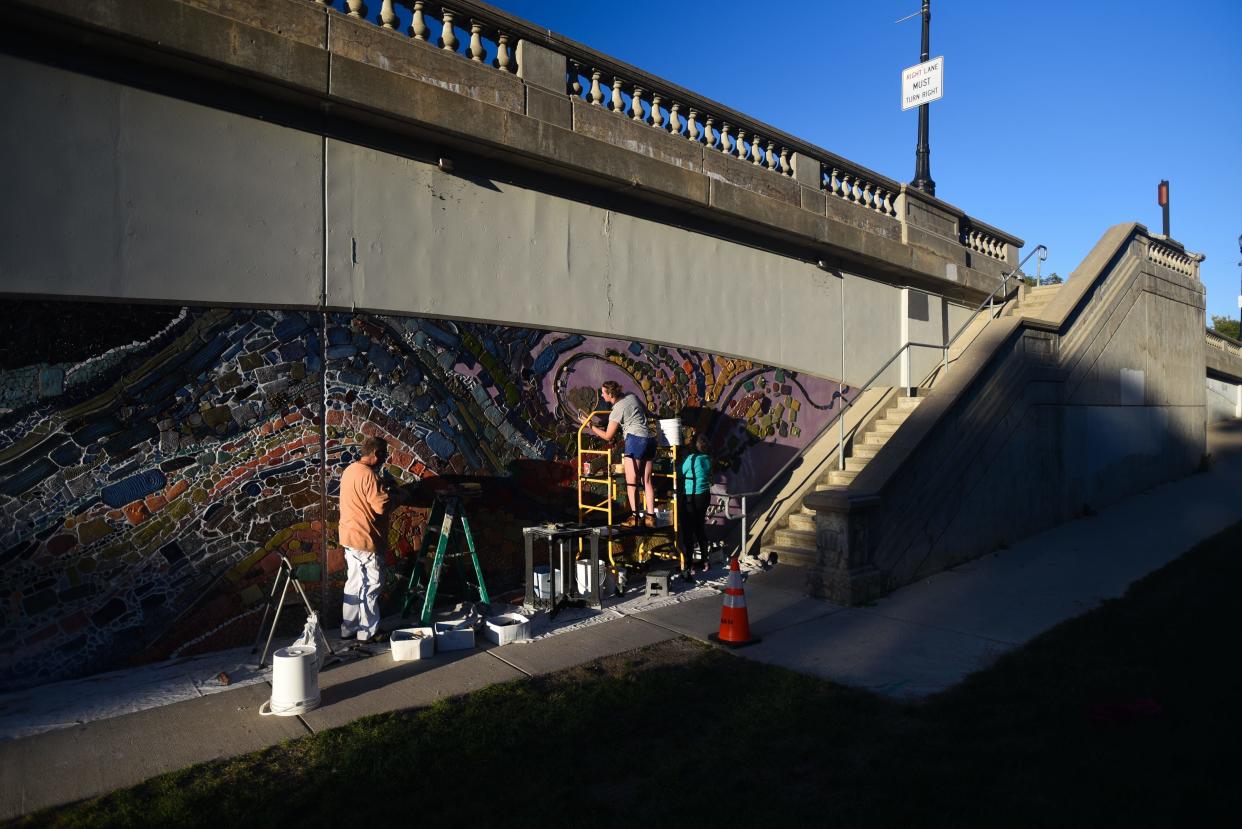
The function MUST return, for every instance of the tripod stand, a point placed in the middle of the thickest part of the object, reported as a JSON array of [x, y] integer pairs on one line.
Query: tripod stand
[[284, 577]]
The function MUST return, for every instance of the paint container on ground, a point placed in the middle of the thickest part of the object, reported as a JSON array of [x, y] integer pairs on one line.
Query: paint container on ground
[[506, 628], [295, 682], [582, 572], [670, 432], [454, 635], [413, 643], [543, 582]]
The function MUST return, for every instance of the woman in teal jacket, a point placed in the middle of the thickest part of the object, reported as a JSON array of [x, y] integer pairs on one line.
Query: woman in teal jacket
[[696, 477]]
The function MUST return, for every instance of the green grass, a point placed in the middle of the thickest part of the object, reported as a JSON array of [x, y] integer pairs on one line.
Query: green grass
[[1048, 736]]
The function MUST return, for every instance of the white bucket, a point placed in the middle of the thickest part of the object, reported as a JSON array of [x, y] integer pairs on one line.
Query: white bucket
[[582, 572], [670, 432], [454, 635], [506, 628], [413, 643], [295, 682], [543, 582]]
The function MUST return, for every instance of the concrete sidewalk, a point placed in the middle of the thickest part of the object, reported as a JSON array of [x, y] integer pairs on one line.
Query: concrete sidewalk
[[920, 640]]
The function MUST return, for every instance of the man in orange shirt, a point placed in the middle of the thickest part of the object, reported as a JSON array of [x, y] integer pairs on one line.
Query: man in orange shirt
[[366, 502]]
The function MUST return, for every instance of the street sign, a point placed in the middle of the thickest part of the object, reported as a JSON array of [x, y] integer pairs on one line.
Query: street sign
[[922, 83]]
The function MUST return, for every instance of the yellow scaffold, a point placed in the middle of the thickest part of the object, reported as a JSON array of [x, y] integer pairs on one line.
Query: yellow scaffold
[[599, 470]]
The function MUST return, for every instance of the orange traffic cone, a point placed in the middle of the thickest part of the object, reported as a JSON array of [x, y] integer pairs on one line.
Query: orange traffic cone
[[734, 622]]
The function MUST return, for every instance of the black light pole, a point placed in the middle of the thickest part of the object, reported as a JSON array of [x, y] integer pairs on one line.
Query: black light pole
[[922, 155]]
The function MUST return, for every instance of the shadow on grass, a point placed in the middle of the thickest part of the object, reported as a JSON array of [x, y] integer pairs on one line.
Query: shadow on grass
[[1127, 715]]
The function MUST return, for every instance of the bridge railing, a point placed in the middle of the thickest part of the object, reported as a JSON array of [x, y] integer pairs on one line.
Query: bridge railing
[[1223, 343], [489, 36]]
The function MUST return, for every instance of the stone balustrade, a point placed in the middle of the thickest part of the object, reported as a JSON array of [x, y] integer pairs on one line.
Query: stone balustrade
[[678, 113], [1174, 259], [1223, 343], [857, 187], [489, 36], [984, 242]]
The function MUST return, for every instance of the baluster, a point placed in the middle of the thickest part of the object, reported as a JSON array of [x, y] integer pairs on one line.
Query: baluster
[[388, 18], [785, 169], [418, 25], [597, 94], [448, 38], [725, 146], [709, 138], [756, 151], [674, 120], [692, 125], [618, 103], [575, 79], [502, 52], [636, 104], [477, 52], [888, 203], [771, 157], [656, 120], [355, 8], [856, 193], [739, 150]]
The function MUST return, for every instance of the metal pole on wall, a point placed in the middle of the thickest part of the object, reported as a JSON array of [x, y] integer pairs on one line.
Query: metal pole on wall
[[1162, 198], [922, 154], [1240, 286]]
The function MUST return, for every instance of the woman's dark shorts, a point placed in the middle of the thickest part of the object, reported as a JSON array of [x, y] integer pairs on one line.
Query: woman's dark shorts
[[641, 448]]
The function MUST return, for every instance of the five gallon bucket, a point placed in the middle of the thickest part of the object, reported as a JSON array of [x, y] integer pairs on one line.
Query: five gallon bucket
[[582, 573], [295, 682], [543, 582], [670, 432]]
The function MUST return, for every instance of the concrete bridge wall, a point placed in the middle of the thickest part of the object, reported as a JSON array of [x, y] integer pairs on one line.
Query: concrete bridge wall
[[146, 197]]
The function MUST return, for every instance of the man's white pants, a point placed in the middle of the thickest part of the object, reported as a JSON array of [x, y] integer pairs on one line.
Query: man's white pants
[[360, 611]]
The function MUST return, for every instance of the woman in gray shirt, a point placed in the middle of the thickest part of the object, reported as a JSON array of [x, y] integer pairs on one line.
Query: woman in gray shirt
[[630, 416]]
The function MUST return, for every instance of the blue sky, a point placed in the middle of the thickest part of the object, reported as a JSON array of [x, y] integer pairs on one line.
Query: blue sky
[[1058, 121]]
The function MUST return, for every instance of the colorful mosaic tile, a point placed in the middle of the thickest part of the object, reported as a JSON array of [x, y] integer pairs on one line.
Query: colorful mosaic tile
[[156, 462]]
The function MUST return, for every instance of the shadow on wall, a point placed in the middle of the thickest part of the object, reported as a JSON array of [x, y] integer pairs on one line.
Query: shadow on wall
[[155, 462]]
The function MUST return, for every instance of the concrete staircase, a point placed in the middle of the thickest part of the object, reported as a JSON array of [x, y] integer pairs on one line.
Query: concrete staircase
[[1034, 301], [794, 541]]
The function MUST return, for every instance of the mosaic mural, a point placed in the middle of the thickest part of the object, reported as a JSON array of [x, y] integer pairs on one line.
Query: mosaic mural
[[155, 462]]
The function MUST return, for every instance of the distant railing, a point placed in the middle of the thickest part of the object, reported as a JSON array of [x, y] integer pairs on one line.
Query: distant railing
[[1226, 344], [488, 36]]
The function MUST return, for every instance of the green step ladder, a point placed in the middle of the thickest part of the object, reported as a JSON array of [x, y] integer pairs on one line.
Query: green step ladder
[[449, 523]]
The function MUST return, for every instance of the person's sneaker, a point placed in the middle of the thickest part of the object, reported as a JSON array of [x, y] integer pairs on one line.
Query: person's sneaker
[[378, 636], [649, 520], [630, 520], [347, 635]]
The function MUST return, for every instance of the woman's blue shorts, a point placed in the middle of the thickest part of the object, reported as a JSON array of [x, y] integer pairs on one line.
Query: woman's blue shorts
[[639, 447]]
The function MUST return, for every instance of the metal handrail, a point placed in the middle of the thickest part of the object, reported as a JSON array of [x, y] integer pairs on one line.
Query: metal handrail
[[988, 302]]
